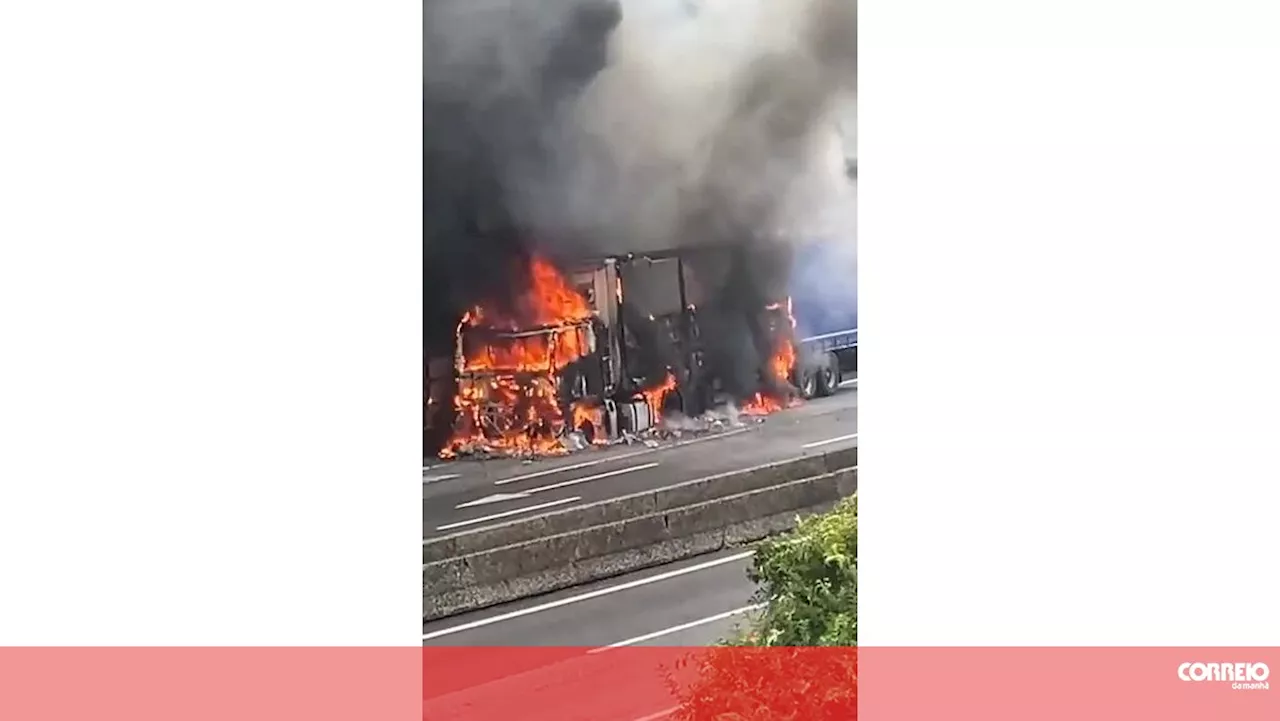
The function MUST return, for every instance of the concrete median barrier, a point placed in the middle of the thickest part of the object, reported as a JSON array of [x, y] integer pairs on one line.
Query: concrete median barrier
[[635, 505], [622, 535]]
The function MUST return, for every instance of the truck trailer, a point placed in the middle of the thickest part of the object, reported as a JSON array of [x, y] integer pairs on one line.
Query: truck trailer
[[824, 297]]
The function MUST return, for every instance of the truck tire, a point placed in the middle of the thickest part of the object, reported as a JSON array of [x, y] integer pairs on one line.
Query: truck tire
[[828, 376], [809, 384], [823, 381]]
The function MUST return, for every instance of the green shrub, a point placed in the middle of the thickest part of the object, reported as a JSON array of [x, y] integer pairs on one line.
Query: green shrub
[[808, 581]]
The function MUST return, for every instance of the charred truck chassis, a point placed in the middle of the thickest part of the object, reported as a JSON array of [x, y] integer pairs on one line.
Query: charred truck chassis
[[649, 307], [482, 362], [647, 339]]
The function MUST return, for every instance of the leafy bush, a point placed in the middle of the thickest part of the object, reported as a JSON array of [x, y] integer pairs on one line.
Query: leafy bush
[[796, 661], [809, 583]]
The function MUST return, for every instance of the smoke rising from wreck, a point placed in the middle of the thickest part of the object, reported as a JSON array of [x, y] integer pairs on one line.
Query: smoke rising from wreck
[[583, 128]]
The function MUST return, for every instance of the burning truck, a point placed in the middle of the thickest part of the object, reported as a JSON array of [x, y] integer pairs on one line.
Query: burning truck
[[610, 346], [557, 134]]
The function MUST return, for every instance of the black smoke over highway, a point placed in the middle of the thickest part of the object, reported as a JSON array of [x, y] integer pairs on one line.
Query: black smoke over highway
[[580, 128]]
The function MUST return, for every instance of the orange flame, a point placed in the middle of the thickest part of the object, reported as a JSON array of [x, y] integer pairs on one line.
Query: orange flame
[[783, 361], [589, 418], [762, 405], [508, 396], [548, 300], [780, 366], [657, 395]]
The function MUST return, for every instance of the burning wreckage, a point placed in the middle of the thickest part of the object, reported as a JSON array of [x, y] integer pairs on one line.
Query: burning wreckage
[[541, 335], [606, 351]]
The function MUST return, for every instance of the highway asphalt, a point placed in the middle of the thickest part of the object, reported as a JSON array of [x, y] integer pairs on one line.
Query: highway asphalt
[[464, 495], [692, 603]]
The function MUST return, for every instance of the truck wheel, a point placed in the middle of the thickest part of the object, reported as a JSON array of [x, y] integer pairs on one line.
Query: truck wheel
[[829, 376], [826, 382], [809, 385]]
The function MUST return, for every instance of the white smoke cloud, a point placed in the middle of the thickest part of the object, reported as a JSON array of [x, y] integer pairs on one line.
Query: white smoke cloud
[[713, 120]]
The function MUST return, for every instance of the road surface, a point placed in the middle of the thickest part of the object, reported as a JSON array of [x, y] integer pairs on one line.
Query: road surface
[[464, 495], [691, 603]]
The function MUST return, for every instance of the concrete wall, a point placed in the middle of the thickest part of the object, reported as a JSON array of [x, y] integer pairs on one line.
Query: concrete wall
[[537, 555]]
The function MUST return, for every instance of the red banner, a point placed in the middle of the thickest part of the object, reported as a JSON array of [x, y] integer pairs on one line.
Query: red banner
[[632, 683], [639, 683]]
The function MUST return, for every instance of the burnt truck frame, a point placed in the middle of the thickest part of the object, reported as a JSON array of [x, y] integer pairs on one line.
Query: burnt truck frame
[[644, 325], [624, 362], [821, 360]]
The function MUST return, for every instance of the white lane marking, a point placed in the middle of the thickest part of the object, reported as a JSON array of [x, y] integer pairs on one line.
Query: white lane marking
[[681, 627], [850, 382], [585, 596], [596, 477], [692, 441], [495, 498], [620, 457], [504, 514], [660, 715], [837, 439], [445, 477], [549, 471], [499, 497]]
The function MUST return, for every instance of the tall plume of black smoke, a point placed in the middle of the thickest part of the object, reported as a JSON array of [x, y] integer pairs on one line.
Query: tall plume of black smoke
[[497, 75], [592, 127]]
